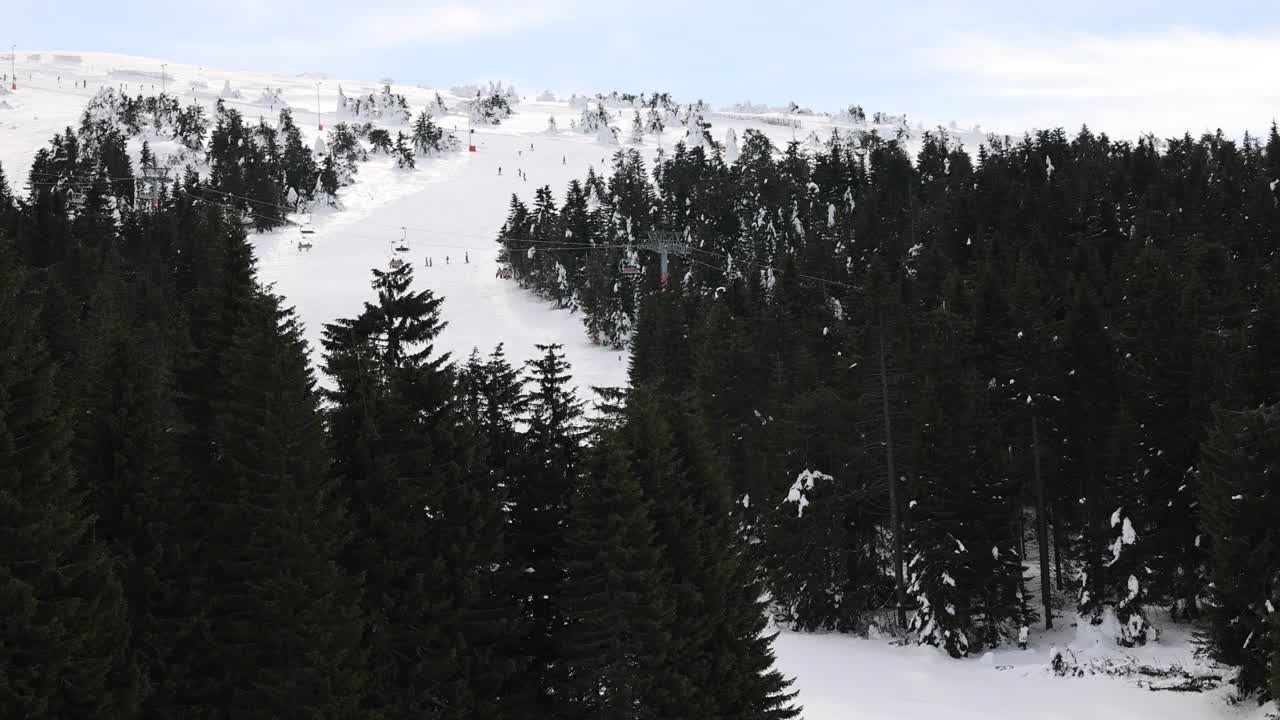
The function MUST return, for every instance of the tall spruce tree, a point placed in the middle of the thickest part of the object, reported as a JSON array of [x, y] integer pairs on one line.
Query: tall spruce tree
[[66, 638], [540, 496], [613, 607], [1242, 461]]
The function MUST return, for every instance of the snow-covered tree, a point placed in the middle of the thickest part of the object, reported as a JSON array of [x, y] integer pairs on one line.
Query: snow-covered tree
[[341, 106], [403, 153], [696, 131], [654, 124], [429, 138], [637, 129], [606, 135], [593, 118], [272, 98], [490, 109], [730, 146], [551, 125], [380, 141]]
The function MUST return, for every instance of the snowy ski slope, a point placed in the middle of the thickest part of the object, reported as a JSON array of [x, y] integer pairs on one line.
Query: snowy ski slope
[[453, 207]]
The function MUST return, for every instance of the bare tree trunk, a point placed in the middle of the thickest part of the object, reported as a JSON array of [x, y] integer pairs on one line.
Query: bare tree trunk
[[1042, 528], [1059, 546], [895, 521]]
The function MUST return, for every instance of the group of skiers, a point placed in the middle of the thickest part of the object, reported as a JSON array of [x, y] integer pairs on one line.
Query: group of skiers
[[466, 258]]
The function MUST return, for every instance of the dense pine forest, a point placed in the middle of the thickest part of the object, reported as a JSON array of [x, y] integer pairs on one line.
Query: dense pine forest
[[914, 368], [194, 529], [875, 388]]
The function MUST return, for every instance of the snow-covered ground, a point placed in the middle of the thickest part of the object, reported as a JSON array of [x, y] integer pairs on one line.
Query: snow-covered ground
[[842, 677], [453, 207]]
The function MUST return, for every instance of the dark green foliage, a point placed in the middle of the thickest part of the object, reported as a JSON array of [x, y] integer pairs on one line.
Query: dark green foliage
[[540, 496], [66, 650], [428, 138], [300, 170], [380, 141], [1238, 494], [403, 153], [270, 553], [943, 349], [718, 659], [863, 354], [420, 483], [613, 604]]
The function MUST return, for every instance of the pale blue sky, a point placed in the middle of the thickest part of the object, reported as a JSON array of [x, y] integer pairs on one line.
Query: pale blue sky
[[1122, 65]]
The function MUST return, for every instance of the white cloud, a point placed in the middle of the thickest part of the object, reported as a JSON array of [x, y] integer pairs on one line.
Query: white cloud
[[1167, 81]]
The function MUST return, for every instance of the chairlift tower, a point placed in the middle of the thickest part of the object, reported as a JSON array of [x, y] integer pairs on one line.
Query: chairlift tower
[[148, 186], [666, 243]]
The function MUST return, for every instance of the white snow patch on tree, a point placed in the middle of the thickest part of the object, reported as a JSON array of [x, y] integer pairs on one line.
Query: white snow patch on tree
[[802, 485]]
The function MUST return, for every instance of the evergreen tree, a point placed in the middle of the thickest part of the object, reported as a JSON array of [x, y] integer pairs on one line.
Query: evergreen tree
[[402, 153], [300, 170], [274, 532], [612, 604], [428, 512], [718, 659], [66, 649], [539, 507], [428, 137], [1242, 459]]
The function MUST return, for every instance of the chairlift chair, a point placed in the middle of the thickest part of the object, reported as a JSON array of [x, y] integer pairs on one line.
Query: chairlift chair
[[627, 268]]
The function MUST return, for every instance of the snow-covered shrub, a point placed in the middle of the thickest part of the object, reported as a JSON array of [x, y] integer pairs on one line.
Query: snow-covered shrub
[[489, 109]]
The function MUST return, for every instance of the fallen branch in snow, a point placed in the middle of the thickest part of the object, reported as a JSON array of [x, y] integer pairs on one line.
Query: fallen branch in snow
[[1196, 684]]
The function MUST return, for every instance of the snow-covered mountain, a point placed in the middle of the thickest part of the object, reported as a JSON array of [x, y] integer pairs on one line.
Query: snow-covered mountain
[[450, 210]]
